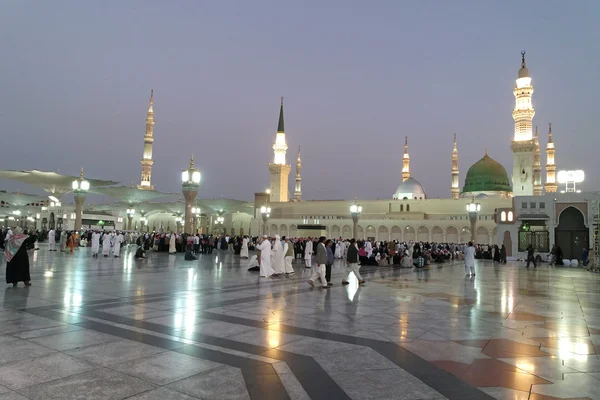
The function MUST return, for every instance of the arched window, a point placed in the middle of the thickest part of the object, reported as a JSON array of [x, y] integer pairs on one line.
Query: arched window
[[510, 216], [503, 216], [401, 207], [408, 207]]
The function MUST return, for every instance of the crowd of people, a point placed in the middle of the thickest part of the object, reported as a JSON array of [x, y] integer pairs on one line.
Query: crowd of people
[[274, 256]]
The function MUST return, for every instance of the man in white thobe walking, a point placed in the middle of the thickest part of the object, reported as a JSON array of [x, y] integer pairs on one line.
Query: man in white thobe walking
[[105, 244], [52, 240], [265, 258], [95, 243], [308, 251], [470, 259], [117, 244], [278, 256]]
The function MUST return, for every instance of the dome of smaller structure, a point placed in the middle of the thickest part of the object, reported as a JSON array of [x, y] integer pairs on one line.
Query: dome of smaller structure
[[410, 189], [487, 176]]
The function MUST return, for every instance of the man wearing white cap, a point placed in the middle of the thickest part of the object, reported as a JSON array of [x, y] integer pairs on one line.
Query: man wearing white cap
[[265, 258]]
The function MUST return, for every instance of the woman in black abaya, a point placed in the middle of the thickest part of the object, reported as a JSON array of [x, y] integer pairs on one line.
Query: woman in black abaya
[[17, 266]]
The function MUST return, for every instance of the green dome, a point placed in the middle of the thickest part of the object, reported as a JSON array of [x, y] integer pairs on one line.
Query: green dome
[[486, 175]]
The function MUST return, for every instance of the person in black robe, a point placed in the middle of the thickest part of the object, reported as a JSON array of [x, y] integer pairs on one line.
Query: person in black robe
[[17, 269], [497, 257]]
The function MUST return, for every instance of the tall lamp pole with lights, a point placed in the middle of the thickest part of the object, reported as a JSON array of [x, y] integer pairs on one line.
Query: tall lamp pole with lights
[[190, 181], [265, 213], [473, 209], [355, 210], [130, 214], [80, 188]]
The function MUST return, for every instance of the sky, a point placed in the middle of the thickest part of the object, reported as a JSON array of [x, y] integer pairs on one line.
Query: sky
[[357, 76]]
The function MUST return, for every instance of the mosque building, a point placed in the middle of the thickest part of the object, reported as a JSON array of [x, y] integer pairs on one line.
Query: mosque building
[[409, 214]]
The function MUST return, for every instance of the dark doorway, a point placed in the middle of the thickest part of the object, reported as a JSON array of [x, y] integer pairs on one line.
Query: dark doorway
[[571, 234], [51, 225], [507, 242]]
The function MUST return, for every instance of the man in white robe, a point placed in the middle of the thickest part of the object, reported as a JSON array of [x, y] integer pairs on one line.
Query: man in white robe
[[308, 251], [470, 259], [172, 243], [265, 258], [117, 244], [244, 250], [105, 244], [95, 243], [339, 249], [278, 256], [52, 240]]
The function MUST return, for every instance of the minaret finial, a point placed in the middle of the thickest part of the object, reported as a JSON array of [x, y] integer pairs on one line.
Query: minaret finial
[[549, 132], [486, 151], [298, 153], [280, 126], [523, 58], [405, 144], [192, 161], [81, 173]]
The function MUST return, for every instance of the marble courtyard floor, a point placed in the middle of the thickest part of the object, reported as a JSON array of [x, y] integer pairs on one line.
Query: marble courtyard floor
[[168, 329]]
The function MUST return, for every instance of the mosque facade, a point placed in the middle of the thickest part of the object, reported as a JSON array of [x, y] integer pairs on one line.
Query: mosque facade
[[409, 214]]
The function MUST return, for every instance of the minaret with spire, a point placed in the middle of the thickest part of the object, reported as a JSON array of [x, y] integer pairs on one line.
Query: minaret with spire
[[148, 142], [298, 190], [523, 144], [537, 166], [405, 161], [279, 169], [455, 189], [551, 185]]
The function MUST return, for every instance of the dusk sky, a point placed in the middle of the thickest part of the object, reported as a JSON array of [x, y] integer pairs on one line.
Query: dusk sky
[[357, 76]]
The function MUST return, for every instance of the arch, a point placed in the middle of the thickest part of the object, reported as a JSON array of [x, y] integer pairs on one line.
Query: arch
[[437, 234], [409, 234], [511, 216], [494, 232], [423, 234], [283, 230], [465, 234], [293, 231], [335, 231], [503, 216], [371, 232], [273, 230], [346, 232], [361, 232], [408, 207], [242, 231], [383, 233], [452, 235], [396, 233], [482, 235], [52, 221], [401, 207], [571, 234]]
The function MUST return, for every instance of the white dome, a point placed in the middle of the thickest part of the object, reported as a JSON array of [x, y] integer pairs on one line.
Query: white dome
[[410, 189]]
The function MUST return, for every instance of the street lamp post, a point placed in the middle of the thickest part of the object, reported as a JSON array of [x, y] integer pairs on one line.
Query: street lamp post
[[265, 212], [473, 209], [80, 188], [196, 216], [190, 180], [355, 210], [130, 214]]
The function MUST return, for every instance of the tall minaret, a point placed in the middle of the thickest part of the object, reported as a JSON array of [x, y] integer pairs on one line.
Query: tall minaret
[[148, 141], [298, 191], [537, 166], [455, 189], [551, 185], [523, 145], [405, 161], [279, 169]]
